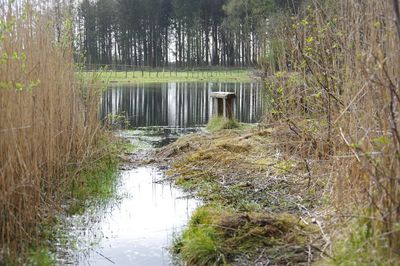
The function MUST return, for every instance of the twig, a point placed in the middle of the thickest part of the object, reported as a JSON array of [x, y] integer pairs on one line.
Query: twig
[[261, 255], [348, 144], [98, 253]]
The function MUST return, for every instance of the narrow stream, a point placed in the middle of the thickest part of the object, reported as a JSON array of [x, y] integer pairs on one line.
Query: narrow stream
[[138, 226], [141, 227]]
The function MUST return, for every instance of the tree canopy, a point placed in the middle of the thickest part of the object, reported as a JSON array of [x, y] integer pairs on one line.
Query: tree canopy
[[184, 32]]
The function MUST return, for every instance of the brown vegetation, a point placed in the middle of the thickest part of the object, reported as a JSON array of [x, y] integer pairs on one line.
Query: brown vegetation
[[48, 122], [334, 81], [242, 170]]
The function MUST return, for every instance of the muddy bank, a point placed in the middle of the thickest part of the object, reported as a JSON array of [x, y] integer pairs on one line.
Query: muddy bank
[[260, 207]]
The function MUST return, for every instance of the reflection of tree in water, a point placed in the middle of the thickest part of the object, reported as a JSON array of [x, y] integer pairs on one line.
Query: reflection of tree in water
[[179, 104]]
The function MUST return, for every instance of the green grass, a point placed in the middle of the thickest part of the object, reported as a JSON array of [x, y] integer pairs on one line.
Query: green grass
[[219, 123], [96, 182], [218, 235], [166, 76], [200, 242], [41, 257]]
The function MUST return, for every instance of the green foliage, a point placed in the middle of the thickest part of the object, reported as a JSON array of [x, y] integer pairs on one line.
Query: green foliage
[[117, 121], [41, 257], [200, 243], [220, 123], [96, 181]]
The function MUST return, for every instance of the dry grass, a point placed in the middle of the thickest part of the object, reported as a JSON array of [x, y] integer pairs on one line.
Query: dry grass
[[337, 91], [248, 161], [47, 122], [244, 171]]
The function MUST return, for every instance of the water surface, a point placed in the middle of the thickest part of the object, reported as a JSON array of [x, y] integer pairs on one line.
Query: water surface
[[179, 105], [139, 230], [137, 227]]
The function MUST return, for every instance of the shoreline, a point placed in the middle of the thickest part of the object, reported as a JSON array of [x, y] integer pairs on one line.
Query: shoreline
[[136, 77], [248, 216]]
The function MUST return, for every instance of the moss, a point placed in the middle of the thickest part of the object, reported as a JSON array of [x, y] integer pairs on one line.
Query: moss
[[200, 242], [218, 235], [220, 123], [199, 246]]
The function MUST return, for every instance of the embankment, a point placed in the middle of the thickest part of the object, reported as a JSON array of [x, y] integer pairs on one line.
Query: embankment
[[259, 205]]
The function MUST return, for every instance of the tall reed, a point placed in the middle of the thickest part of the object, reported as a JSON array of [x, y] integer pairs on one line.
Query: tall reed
[[335, 79], [48, 121]]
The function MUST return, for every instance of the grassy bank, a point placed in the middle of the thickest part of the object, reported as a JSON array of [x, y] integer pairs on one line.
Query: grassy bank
[[180, 76], [93, 184], [258, 204], [95, 180]]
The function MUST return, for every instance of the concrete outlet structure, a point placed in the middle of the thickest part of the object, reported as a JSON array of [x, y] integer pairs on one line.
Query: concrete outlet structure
[[222, 104]]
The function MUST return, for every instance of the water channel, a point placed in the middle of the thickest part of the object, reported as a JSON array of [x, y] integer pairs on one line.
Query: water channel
[[138, 226]]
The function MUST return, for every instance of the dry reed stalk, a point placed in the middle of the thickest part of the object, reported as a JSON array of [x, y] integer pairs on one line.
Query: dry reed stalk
[[338, 92], [46, 120]]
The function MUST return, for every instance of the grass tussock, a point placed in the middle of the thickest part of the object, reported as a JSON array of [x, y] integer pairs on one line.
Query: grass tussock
[[48, 122], [334, 85], [220, 123], [241, 169], [220, 236]]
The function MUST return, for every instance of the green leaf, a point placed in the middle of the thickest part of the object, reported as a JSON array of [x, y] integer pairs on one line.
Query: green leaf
[[382, 140]]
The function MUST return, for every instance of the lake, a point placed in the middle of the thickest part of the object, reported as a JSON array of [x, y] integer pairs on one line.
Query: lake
[[179, 105]]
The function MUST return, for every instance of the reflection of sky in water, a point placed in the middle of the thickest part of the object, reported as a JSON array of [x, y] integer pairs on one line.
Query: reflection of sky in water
[[179, 104], [138, 230]]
